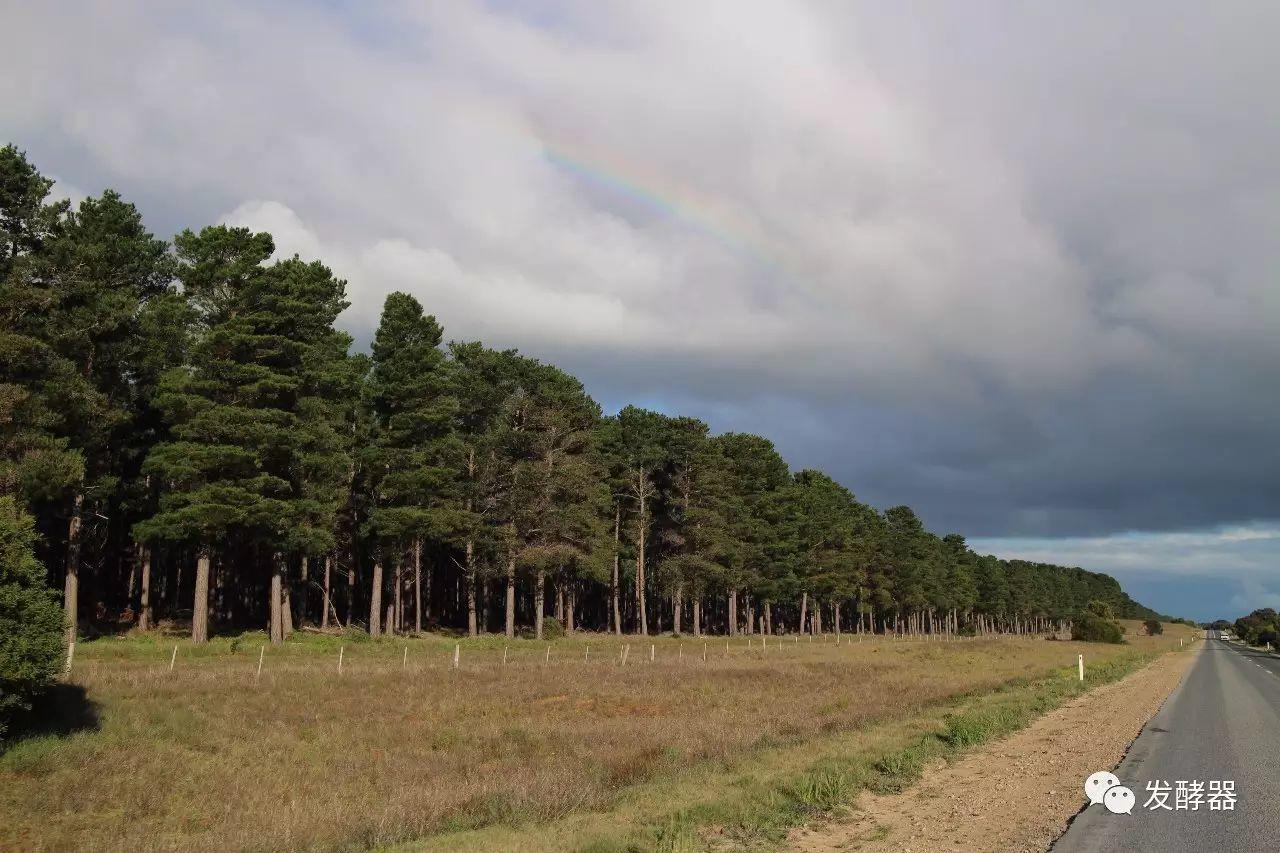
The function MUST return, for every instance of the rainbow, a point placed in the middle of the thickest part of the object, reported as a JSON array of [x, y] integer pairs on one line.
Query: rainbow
[[704, 216]]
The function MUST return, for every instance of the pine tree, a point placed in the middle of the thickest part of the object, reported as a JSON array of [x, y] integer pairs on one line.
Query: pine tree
[[413, 457], [757, 475], [41, 392], [557, 498], [225, 471], [483, 381], [700, 547], [633, 442], [31, 623]]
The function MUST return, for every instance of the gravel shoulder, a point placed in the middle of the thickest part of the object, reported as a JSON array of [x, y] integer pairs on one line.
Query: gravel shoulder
[[1017, 794]]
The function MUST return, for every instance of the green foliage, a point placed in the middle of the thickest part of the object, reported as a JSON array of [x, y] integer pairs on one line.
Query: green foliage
[[1153, 627], [31, 622], [1258, 628], [1094, 628], [551, 628], [1101, 609]]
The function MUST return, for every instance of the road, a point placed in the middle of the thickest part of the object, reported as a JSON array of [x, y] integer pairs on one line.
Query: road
[[1221, 723]]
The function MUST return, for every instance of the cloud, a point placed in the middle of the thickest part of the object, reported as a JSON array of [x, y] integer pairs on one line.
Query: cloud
[[1013, 266]]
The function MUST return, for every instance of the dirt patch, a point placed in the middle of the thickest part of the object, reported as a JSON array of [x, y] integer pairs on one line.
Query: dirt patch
[[1013, 795]]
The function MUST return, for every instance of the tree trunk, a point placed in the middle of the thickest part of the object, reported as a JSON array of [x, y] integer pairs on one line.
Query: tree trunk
[[472, 627], [200, 604], [539, 601], [375, 599], [328, 570], [768, 617], [397, 603], [286, 604], [305, 578], [697, 616], [835, 614], [733, 612], [570, 603], [351, 583], [144, 601], [804, 610], [640, 580], [677, 604], [511, 596], [614, 591], [277, 629], [417, 586], [71, 589]]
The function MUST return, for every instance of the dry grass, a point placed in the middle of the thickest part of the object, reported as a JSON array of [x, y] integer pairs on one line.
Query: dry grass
[[209, 756]]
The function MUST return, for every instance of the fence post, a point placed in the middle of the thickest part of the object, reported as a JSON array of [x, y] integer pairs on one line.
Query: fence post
[[1080, 663], [262, 651], [704, 651], [504, 655], [404, 664], [652, 648], [173, 658], [457, 654], [341, 650], [547, 659]]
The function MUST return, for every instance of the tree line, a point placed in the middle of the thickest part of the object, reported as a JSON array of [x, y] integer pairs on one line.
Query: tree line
[[196, 440]]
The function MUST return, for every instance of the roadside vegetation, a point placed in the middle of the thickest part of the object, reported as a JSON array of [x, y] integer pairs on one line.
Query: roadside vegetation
[[560, 748], [1097, 624], [1260, 628]]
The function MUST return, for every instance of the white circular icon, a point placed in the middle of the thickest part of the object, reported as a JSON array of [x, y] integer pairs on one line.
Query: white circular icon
[[1118, 799], [1097, 784]]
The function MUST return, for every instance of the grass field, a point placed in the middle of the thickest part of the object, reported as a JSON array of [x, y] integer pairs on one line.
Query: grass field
[[569, 750]]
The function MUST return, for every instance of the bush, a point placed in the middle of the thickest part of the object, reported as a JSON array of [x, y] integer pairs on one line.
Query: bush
[[31, 623], [551, 628], [1153, 627], [1092, 628]]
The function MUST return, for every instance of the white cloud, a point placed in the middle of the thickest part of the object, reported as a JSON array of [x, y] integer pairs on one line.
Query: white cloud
[[1234, 552]]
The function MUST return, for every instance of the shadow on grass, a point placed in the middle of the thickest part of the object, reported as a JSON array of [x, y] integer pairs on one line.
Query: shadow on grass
[[62, 710]]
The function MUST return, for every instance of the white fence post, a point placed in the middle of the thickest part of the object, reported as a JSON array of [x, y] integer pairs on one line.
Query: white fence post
[[341, 651], [262, 651], [1080, 663], [457, 654]]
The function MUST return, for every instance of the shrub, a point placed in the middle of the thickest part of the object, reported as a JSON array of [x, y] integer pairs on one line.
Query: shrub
[[1092, 628], [31, 623], [551, 628], [1153, 627]]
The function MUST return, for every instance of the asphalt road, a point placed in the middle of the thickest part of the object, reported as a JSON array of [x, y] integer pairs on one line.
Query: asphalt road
[[1221, 723]]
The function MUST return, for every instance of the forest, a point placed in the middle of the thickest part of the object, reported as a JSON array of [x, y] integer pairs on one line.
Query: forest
[[197, 442]]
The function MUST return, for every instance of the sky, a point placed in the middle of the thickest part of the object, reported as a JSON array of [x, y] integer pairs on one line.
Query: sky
[[1015, 265]]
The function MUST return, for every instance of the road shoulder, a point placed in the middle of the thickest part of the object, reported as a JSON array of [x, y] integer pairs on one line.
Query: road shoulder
[[1017, 794]]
